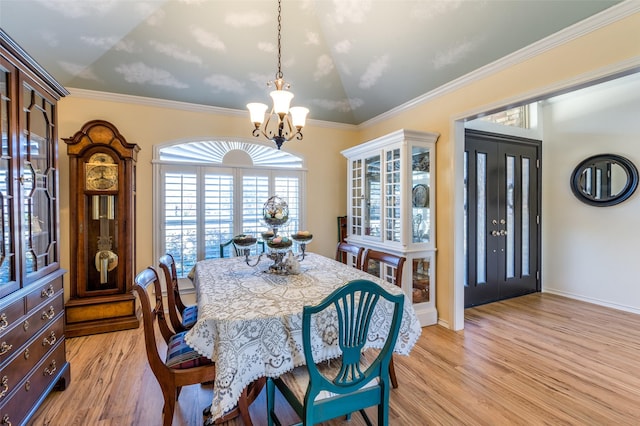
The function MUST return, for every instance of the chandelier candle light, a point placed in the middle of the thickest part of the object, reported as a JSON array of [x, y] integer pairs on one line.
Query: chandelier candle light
[[290, 120]]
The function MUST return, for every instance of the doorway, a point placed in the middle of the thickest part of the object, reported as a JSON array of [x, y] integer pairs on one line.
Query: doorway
[[502, 216]]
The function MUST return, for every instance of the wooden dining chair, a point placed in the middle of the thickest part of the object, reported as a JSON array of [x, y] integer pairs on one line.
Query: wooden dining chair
[[182, 365], [182, 316], [319, 391], [388, 267], [349, 254]]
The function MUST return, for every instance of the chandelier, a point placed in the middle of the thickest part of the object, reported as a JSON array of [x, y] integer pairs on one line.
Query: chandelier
[[290, 120]]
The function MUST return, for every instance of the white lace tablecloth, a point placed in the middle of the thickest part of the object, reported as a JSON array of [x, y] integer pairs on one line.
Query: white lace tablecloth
[[249, 321]]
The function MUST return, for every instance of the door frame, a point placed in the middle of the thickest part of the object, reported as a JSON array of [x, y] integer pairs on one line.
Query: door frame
[[457, 122]]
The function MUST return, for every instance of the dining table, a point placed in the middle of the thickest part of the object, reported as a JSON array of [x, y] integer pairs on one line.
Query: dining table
[[250, 319]]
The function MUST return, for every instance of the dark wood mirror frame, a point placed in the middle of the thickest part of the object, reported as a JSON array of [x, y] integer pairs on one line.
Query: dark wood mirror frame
[[596, 174]]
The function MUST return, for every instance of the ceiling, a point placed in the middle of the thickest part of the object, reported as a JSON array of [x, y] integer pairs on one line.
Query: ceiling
[[348, 61]]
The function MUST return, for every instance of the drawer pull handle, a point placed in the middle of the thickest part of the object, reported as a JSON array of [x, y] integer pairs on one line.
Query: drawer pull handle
[[3, 322], [5, 386], [50, 314], [27, 354], [5, 347], [49, 341], [25, 325], [51, 369], [47, 292], [5, 420]]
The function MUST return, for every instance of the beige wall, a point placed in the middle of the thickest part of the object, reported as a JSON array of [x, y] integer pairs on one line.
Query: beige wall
[[321, 146], [147, 126], [613, 44]]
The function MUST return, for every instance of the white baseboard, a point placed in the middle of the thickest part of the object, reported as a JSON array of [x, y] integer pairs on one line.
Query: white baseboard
[[608, 304]]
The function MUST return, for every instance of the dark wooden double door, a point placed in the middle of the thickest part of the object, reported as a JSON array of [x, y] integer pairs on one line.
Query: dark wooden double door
[[502, 217]]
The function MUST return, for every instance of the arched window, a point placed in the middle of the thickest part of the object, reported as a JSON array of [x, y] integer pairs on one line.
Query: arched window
[[207, 191]]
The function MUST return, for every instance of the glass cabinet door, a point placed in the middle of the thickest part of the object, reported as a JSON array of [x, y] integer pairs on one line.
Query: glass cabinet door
[[357, 198], [372, 197], [38, 182], [392, 196], [420, 194], [8, 277]]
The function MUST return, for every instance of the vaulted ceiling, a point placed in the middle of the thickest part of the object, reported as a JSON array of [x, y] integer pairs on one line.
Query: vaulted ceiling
[[348, 61]]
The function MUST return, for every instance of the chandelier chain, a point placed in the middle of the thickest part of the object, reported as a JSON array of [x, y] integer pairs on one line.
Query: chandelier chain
[[279, 73]]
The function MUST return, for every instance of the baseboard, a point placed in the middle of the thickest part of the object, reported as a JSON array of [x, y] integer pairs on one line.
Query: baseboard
[[599, 302]]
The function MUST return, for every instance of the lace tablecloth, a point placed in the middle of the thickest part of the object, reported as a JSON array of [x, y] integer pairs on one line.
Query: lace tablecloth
[[249, 321]]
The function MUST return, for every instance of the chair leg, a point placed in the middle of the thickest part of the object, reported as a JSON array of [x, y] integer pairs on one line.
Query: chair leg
[[392, 374], [169, 407], [243, 407], [271, 394]]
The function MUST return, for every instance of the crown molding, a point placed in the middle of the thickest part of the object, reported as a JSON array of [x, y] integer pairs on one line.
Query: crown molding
[[185, 106], [588, 25]]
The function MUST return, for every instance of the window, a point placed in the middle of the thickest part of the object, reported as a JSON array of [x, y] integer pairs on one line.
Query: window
[[516, 117], [208, 191]]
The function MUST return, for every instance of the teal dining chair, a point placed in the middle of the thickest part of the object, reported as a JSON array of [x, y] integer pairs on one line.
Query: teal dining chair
[[359, 378], [228, 246]]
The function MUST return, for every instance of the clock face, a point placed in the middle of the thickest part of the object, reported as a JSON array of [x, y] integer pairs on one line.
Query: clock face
[[101, 173]]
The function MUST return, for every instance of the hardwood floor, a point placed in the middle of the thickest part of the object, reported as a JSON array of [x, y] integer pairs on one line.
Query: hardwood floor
[[539, 359]]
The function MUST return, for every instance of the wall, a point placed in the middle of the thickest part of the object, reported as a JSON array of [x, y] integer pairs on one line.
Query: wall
[[560, 64], [147, 125], [590, 253]]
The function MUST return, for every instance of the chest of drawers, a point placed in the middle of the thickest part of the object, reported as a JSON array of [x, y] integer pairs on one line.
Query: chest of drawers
[[32, 348]]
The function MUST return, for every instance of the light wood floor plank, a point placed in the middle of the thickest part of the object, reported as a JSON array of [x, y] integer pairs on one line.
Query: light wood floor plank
[[539, 359]]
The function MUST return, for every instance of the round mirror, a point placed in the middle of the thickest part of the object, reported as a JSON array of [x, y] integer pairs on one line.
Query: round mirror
[[604, 180]]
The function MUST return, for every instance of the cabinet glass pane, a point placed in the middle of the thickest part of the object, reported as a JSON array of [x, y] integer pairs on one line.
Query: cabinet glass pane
[[421, 275], [421, 194], [38, 182], [7, 257], [372, 196], [392, 196], [357, 197]]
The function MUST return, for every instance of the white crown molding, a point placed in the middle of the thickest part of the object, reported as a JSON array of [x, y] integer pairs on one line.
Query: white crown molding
[[593, 23], [579, 81], [184, 106]]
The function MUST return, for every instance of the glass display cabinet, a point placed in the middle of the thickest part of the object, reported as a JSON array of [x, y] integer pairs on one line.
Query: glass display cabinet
[[32, 336], [391, 207]]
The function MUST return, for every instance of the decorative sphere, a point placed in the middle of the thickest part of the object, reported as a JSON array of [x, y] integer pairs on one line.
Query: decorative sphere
[[275, 211]]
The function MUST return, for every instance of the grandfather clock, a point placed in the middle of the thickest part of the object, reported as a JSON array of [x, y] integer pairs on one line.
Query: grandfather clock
[[102, 169]]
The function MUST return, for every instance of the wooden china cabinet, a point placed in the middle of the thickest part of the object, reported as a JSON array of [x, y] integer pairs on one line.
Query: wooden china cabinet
[[32, 340], [102, 169]]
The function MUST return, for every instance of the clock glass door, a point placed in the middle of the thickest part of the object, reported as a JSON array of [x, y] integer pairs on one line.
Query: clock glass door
[[102, 243]]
